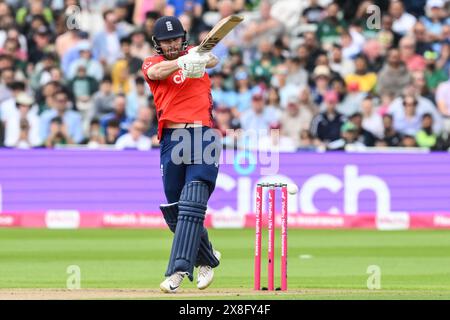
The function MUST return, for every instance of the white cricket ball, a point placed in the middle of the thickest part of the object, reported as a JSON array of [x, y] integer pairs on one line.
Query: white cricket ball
[[292, 188]]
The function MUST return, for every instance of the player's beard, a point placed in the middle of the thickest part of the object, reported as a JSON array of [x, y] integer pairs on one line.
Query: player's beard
[[172, 53]]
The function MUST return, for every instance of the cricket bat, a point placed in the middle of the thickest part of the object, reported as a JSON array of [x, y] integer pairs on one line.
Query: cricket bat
[[220, 30]]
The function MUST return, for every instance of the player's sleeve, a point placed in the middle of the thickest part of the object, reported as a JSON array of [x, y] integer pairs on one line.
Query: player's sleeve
[[149, 62]]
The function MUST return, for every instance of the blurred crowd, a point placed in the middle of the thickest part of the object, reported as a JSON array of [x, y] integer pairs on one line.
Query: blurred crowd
[[297, 74]]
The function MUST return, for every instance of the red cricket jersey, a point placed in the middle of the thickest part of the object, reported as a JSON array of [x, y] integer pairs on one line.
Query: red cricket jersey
[[179, 99]]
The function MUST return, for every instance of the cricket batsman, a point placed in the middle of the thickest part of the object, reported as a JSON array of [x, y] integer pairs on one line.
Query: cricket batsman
[[181, 88]]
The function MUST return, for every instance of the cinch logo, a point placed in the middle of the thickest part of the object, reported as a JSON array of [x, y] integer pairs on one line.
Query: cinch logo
[[169, 26], [351, 185], [179, 78]]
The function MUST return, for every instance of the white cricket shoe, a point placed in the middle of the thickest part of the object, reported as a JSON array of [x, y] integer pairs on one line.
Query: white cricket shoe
[[205, 274], [172, 283]]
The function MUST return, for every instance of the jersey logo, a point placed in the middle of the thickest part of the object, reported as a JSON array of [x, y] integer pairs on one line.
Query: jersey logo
[[179, 78], [169, 26], [148, 64]]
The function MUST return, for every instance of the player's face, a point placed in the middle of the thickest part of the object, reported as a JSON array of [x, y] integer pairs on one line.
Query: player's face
[[171, 48]]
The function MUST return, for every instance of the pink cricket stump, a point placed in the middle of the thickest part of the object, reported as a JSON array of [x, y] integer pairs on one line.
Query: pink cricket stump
[[258, 238], [284, 226], [271, 245]]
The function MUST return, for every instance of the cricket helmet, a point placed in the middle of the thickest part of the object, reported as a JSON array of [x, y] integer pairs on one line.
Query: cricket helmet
[[168, 27]]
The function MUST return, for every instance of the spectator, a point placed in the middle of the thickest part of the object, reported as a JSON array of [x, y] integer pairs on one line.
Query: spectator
[[443, 102], [147, 116], [66, 41], [177, 7], [326, 126], [286, 11], [41, 44], [321, 77], [352, 43], [135, 139], [387, 36], [338, 63], [68, 127], [103, 99], [408, 141], [244, 93], [22, 120], [23, 141], [134, 63], [95, 137], [58, 133], [412, 60], [426, 138], [150, 19], [285, 88], [422, 39], [312, 48], [433, 75], [444, 58], [121, 78], [112, 131], [139, 48], [265, 62], [145, 10], [93, 68], [221, 96], [11, 47], [44, 97], [106, 43], [275, 141], [372, 121], [350, 97], [306, 141], [123, 16], [257, 119], [403, 21], [83, 87], [41, 73], [313, 13], [363, 136], [137, 98], [118, 114], [305, 100], [410, 121], [331, 27], [420, 85], [394, 76], [435, 19], [263, 27], [391, 138], [228, 128], [297, 75], [349, 138], [397, 108], [375, 54], [366, 80], [25, 15], [294, 119]]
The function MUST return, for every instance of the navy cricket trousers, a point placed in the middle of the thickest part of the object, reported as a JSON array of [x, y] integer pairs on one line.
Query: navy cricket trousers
[[187, 155]]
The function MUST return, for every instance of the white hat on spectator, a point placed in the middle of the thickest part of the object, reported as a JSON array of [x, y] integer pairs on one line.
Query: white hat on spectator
[[435, 4], [321, 71], [24, 99]]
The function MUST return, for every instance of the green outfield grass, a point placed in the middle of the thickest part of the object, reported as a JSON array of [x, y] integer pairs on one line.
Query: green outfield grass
[[328, 264]]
